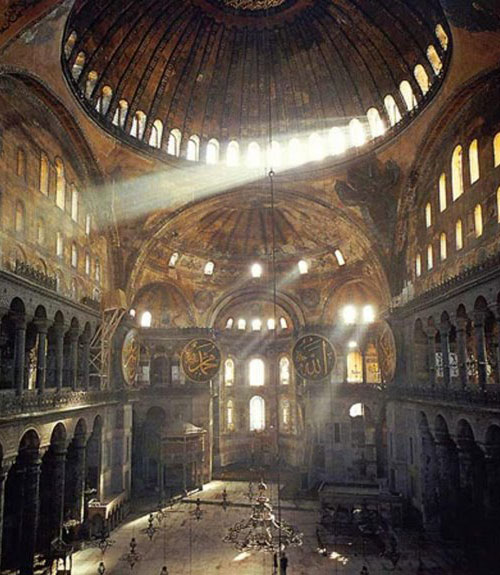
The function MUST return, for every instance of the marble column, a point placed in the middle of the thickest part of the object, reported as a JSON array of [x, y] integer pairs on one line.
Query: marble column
[[59, 356], [480, 337], [75, 478], [431, 354], [444, 332], [41, 364], [462, 351], [4, 471], [30, 511], [58, 468], [19, 353], [73, 359]]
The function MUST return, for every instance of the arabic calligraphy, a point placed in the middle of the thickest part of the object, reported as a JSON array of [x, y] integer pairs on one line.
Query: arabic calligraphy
[[200, 360], [313, 357]]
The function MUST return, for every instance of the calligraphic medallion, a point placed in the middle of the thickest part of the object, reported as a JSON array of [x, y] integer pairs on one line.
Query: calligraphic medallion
[[200, 360], [130, 356], [313, 357]]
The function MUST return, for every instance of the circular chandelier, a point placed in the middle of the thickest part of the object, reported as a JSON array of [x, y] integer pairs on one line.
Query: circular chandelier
[[253, 4], [262, 531]]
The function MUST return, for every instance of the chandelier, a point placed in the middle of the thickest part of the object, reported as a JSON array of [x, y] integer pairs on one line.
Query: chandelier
[[252, 4], [262, 531]]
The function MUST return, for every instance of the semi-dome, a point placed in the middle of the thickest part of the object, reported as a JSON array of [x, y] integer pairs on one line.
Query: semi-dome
[[197, 78]]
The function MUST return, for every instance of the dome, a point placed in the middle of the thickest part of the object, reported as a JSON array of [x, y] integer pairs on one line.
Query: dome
[[190, 77]]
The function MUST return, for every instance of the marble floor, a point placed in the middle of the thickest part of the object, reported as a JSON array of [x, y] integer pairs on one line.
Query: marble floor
[[188, 546]]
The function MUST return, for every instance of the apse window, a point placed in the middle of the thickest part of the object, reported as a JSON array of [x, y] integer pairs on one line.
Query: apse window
[[74, 204], [496, 150], [229, 372], [242, 324], [349, 315], [60, 184], [459, 235], [418, 265], [257, 413], [284, 368], [271, 323], [457, 173], [88, 224], [229, 323], [230, 418], [256, 270], [256, 324], [173, 260], [44, 174], [285, 413], [428, 215], [357, 410], [443, 247], [430, 257], [303, 267], [442, 193], [256, 372], [209, 268], [368, 314], [146, 319], [474, 161], [283, 323], [59, 245], [478, 220], [340, 257]]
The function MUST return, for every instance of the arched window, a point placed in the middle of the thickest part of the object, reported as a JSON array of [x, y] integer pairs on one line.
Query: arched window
[[59, 245], [274, 155], [174, 142], [156, 134], [430, 257], [229, 323], [78, 65], [271, 323], [303, 267], [498, 205], [102, 104], [212, 154], [283, 323], [19, 220], [377, 127], [87, 264], [209, 268], [316, 148], [69, 45], [121, 112], [372, 369], [357, 133], [253, 155], [21, 163], [337, 141], [284, 370], [97, 270], [295, 152], [354, 366], [368, 314], [173, 260], [442, 193], [428, 215], [60, 184], [256, 372], [459, 235], [443, 246], [422, 78], [74, 255], [418, 265], [193, 149], [40, 231], [256, 324], [457, 173], [478, 220], [474, 161], [442, 36], [392, 110], [257, 413], [138, 125], [496, 150], [88, 224], [229, 371], [90, 83], [340, 258], [408, 95], [434, 59], [242, 324], [146, 319], [230, 415], [74, 203], [256, 270], [233, 154], [44, 174], [286, 414]]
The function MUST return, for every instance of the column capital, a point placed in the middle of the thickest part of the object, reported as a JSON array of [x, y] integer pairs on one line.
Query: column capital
[[462, 323], [479, 317], [19, 321], [42, 325], [74, 334]]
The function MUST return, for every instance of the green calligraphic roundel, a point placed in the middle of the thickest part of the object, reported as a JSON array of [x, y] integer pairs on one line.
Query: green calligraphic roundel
[[313, 357], [200, 360]]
